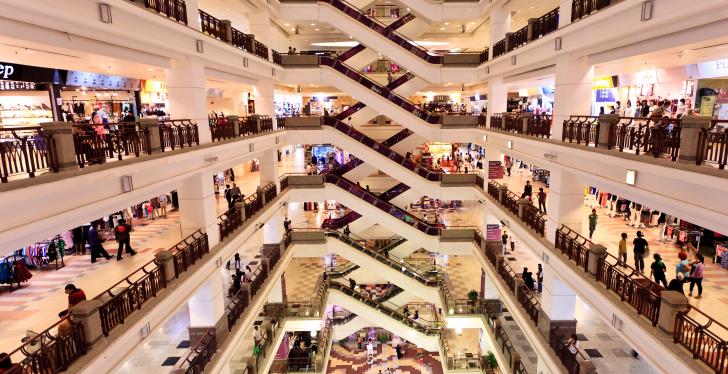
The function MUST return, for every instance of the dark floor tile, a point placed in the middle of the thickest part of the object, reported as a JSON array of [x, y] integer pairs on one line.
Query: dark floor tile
[[582, 337], [184, 344], [170, 361], [593, 353], [512, 259], [508, 318]]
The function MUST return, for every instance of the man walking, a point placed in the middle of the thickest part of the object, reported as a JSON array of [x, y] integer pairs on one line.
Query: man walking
[[541, 200], [121, 232], [640, 247], [592, 222]]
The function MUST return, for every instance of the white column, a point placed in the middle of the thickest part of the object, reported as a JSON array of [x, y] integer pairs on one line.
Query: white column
[[573, 90], [269, 166], [564, 202], [260, 26], [193, 14], [263, 95], [558, 300], [541, 367], [198, 207], [273, 229], [187, 95], [488, 218], [500, 24], [276, 293], [565, 12], [491, 154], [207, 305], [497, 96], [240, 103]]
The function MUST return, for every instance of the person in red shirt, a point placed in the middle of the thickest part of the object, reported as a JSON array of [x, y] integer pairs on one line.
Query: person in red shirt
[[75, 295], [541, 200]]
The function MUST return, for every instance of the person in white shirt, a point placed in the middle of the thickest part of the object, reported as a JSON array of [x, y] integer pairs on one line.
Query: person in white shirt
[[573, 344], [681, 109]]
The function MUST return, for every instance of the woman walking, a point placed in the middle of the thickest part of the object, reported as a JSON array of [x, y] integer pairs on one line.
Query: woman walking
[[696, 275]]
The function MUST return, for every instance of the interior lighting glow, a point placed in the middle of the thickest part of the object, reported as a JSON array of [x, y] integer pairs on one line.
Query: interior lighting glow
[[426, 43]]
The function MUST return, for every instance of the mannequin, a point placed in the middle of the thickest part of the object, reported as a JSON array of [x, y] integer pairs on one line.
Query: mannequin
[[636, 214]]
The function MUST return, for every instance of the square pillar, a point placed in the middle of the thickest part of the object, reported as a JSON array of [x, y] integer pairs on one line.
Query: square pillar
[[558, 305], [691, 129], [193, 14], [606, 123], [273, 229], [276, 294], [62, 133], [500, 24], [497, 97], [207, 310], [187, 94], [198, 207], [671, 302], [564, 202], [263, 94], [151, 125], [565, 12], [487, 287], [87, 314], [573, 89], [269, 166]]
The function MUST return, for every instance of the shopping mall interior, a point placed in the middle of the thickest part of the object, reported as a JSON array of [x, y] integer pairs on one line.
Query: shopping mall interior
[[351, 187]]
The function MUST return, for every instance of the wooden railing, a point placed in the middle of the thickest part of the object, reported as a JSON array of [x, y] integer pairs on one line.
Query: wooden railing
[[189, 250], [242, 40], [713, 144], [260, 50], [583, 8], [530, 303], [517, 39], [568, 359], [25, 151], [172, 9], [129, 294], [574, 246], [581, 129], [277, 59], [200, 355], [48, 351], [704, 337], [212, 26], [178, 133], [545, 24], [531, 216], [499, 48], [94, 148], [229, 221]]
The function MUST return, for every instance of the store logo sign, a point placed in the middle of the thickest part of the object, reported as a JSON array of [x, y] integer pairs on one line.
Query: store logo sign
[[6, 71]]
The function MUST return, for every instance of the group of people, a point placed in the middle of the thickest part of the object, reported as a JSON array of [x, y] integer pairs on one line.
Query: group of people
[[90, 235], [651, 109], [240, 276], [533, 285], [233, 194]]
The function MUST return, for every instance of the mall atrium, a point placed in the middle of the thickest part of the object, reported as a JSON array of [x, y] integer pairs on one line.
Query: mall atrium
[[363, 187]]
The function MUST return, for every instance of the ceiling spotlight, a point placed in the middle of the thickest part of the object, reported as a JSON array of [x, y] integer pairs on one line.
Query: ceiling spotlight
[[315, 29], [442, 28], [286, 24], [447, 23], [313, 24]]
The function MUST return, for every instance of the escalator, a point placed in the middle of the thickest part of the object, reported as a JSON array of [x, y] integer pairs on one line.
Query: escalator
[[433, 126], [351, 216], [389, 42], [422, 332], [360, 56]]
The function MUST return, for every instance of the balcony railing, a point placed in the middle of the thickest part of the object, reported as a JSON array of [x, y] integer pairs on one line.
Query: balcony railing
[[583, 8], [517, 39], [93, 147], [529, 214], [25, 151], [49, 351], [178, 134], [188, 251], [212, 26], [704, 337], [200, 355], [657, 136], [499, 48], [172, 9], [713, 144], [545, 24]]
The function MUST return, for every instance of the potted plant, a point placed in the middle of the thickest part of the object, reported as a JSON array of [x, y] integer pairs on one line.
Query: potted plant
[[490, 362], [473, 297]]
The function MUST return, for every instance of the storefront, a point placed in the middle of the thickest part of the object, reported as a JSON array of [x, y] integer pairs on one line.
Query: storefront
[[153, 99], [712, 89], [287, 103], [477, 104], [112, 98], [435, 154], [29, 95]]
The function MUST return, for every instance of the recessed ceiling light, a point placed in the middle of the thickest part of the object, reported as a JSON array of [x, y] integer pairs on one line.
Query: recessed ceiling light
[[286, 24], [442, 28], [447, 23], [533, 7], [313, 24], [472, 23], [293, 29], [315, 29]]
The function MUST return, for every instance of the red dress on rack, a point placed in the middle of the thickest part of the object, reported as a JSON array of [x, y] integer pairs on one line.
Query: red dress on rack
[[22, 274]]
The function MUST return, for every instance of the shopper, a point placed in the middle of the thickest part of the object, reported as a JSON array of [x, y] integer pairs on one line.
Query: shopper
[[122, 233], [696, 275], [683, 267], [512, 240], [573, 344], [592, 222], [237, 262], [677, 283], [658, 269], [622, 254], [257, 335], [639, 250], [64, 327], [236, 192], [79, 240], [163, 205], [527, 277], [75, 295], [347, 231], [287, 224], [94, 242], [528, 189], [228, 195], [541, 195], [504, 239]]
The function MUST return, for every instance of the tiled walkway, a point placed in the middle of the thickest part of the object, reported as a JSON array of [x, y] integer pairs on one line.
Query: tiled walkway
[[715, 283], [346, 358], [35, 306]]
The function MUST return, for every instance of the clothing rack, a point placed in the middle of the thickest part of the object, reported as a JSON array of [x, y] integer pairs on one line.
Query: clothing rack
[[46, 252], [13, 270]]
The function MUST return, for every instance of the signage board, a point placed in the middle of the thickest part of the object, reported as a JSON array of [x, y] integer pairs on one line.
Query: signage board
[[495, 170]]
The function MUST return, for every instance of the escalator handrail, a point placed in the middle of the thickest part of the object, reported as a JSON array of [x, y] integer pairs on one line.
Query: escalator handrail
[[430, 175]]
